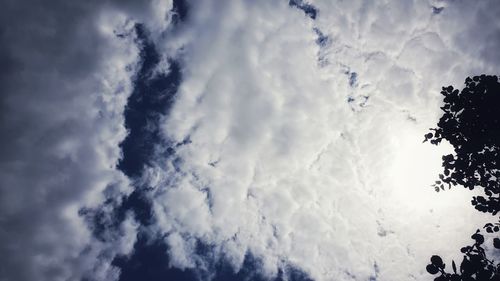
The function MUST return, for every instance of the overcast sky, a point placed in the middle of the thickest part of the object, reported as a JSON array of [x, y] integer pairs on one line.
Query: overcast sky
[[232, 139]]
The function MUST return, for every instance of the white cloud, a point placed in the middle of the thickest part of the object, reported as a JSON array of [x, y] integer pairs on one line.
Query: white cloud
[[282, 166], [279, 164]]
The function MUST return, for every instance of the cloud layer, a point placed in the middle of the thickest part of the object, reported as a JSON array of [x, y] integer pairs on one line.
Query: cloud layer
[[294, 138], [65, 79], [307, 151]]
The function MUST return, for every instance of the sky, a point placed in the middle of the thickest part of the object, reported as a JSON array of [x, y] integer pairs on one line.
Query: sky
[[232, 139]]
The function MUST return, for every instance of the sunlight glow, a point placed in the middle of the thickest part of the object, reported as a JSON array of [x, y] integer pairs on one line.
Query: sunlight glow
[[415, 167]]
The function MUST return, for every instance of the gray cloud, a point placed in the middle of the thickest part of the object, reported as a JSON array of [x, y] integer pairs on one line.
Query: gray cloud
[[65, 79]]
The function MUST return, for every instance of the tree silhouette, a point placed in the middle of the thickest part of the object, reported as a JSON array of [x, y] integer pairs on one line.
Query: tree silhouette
[[471, 123], [474, 266]]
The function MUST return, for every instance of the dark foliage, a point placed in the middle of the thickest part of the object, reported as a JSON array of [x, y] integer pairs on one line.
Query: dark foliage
[[474, 266], [471, 123]]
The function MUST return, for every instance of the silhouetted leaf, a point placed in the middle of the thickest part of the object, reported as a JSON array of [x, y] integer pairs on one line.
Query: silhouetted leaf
[[437, 261], [496, 243], [478, 237], [432, 269]]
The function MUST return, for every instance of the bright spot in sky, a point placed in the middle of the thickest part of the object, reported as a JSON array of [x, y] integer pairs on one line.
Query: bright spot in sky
[[415, 166]]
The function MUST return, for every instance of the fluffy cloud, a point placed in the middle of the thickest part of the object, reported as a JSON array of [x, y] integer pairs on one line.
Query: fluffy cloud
[[297, 137], [65, 81], [310, 154]]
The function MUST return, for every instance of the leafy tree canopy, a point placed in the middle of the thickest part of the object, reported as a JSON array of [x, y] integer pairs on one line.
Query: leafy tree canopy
[[471, 123], [475, 265]]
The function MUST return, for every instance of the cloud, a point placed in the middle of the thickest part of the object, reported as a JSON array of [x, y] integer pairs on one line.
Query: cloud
[[290, 161], [65, 78], [293, 145]]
